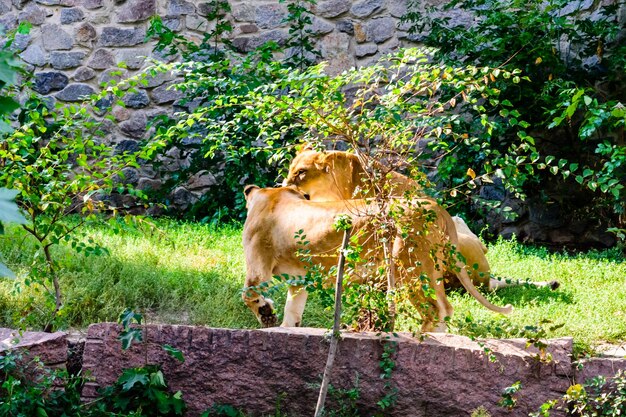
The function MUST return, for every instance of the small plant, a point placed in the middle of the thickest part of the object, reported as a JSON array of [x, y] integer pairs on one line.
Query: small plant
[[387, 364], [509, 400], [480, 412], [597, 397], [28, 388], [143, 391]]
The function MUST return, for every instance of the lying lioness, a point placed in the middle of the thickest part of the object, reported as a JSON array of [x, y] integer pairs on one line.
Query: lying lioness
[[275, 215], [337, 175]]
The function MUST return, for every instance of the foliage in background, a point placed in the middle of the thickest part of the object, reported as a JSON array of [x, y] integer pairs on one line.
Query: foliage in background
[[56, 160], [210, 72], [573, 96], [9, 212], [8, 209], [597, 397]]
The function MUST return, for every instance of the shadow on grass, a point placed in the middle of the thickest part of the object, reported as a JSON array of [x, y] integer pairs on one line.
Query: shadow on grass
[[525, 295]]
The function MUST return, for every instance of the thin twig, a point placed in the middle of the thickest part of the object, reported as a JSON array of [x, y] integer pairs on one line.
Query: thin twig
[[332, 350]]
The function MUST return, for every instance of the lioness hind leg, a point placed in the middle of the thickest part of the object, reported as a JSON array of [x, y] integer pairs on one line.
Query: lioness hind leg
[[294, 307]]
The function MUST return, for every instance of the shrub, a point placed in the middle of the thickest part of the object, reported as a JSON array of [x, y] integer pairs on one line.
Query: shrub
[[212, 72], [574, 62]]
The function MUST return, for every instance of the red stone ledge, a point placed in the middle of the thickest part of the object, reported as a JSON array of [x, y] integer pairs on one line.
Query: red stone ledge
[[445, 375], [51, 348]]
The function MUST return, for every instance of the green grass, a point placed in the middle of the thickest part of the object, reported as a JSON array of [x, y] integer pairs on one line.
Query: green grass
[[193, 273]]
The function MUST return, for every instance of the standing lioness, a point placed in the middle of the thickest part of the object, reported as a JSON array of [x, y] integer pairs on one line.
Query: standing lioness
[[337, 175], [275, 215]]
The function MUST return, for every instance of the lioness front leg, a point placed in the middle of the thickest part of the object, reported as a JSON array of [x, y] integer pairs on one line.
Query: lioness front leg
[[294, 307], [263, 308]]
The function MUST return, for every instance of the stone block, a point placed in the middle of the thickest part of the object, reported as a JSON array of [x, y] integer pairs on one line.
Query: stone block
[[100, 19], [173, 23], [20, 42], [180, 7], [249, 28], [34, 55], [75, 92], [85, 34], [166, 94], [112, 74], [197, 23], [243, 12], [33, 14], [51, 348], [365, 8], [345, 26], [379, 30], [397, 8], [101, 59], [133, 58], [66, 60], [8, 21], [546, 214], [71, 15], [92, 4], [45, 82], [156, 80], [147, 184], [135, 126], [55, 39], [270, 16], [333, 49], [247, 44], [204, 9], [332, 8], [321, 26], [201, 180], [365, 49], [5, 6], [83, 74], [114, 36], [136, 11], [359, 32], [136, 100], [127, 145]]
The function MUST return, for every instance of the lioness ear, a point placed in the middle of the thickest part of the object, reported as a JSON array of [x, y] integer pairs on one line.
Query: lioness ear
[[323, 161], [248, 190], [327, 161]]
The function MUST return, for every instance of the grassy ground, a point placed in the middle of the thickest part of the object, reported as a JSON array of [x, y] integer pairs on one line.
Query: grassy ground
[[192, 273]]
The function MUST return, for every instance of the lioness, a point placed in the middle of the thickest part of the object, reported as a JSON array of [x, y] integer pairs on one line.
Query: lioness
[[275, 215], [337, 175]]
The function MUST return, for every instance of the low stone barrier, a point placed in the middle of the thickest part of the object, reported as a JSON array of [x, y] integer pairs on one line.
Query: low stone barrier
[[50, 348], [445, 375], [254, 370]]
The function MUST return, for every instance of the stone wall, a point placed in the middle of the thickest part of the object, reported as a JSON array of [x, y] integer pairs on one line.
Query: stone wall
[[442, 376], [445, 375]]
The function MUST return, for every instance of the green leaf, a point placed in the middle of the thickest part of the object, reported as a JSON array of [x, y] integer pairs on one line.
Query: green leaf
[[157, 379], [132, 377], [6, 272], [8, 105], [8, 209], [173, 352], [127, 337]]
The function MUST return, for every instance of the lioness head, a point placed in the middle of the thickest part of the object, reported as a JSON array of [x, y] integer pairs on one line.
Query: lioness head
[[324, 176]]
